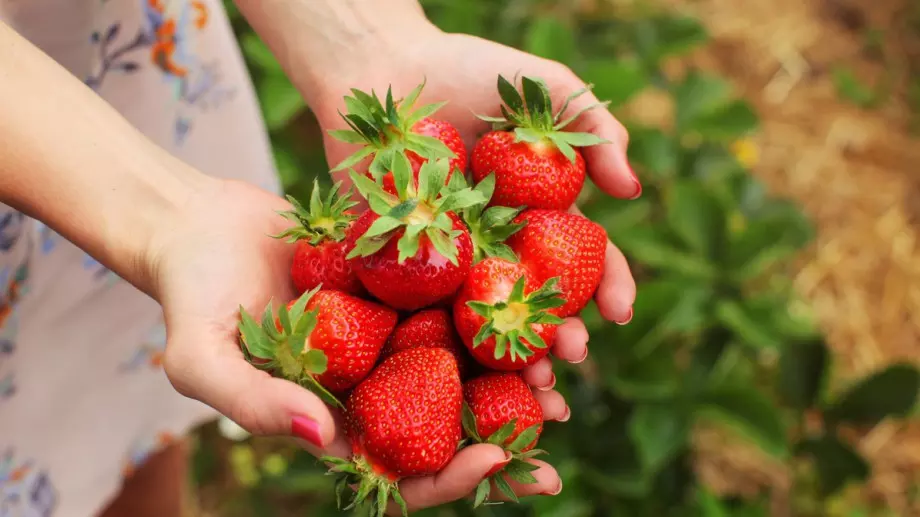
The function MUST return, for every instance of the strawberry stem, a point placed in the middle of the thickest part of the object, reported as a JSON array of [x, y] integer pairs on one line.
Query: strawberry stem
[[511, 321], [286, 350], [490, 226], [373, 488], [326, 219]]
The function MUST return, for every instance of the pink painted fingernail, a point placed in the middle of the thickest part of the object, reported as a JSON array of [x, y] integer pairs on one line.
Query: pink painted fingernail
[[582, 359], [306, 429], [556, 491], [565, 416], [629, 318], [551, 385], [500, 465], [638, 185]]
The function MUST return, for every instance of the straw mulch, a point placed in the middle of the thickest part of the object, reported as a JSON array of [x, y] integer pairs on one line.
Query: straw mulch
[[854, 172]]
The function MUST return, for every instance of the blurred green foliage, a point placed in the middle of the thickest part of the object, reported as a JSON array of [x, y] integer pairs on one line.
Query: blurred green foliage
[[714, 338]]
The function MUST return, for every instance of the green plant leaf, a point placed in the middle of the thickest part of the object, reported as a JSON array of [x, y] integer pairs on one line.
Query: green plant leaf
[[649, 246], [696, 96], [549, 37], [697, 217], [280, 101], [803, 370], [709, 504], [616, 81], [258, 53], [659, 431], [889, 392], [730, 122], [851, 88], [653, 377], [746, 325], [748, 411], [660, 36], [774, 233], [835, 462], [652, 151]]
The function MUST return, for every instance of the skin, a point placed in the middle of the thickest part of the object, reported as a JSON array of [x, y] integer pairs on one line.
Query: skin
[[89, 185]]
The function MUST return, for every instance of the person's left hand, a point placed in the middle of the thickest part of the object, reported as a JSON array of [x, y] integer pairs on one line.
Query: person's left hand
[[463, 70]]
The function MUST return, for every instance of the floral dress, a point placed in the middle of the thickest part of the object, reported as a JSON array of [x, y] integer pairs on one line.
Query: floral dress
[[83, 398]]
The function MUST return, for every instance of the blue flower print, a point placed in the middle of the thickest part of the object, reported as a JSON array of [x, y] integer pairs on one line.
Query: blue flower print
[[25, 490], [11, 227]]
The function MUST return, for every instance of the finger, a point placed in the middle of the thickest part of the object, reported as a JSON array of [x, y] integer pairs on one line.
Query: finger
[[617, 291], [214, 372], [540, 374], [548, 483], [607, 164], [457, 480], [571, 341], [553, 404]]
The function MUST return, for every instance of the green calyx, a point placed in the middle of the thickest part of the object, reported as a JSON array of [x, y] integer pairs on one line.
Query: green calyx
[[530, 113], [287, 351], [511, 321], [385, 129], [326, 218], [490, 226], [518, 469], [373, 490], [420, 210]]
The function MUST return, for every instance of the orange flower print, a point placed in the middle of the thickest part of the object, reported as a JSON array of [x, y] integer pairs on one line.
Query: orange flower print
[[145, 447]]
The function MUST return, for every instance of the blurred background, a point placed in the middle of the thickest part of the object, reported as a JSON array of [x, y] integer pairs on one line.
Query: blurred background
[[770, 367]]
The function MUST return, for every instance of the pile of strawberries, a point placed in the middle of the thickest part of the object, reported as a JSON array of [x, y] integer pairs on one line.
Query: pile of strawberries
[[420, 311]]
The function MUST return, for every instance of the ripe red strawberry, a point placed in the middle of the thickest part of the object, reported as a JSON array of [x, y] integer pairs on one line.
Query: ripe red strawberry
[[404, 420], [325, 340], [430, 328], [536, 164], [319, 234], [410, 249], [564, 245], [503, 315], [500, 409], [397, 127]]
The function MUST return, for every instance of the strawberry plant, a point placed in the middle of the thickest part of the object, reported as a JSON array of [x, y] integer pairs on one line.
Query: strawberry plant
[[713, 339]]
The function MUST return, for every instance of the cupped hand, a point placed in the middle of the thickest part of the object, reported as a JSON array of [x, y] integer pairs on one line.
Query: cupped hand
[[463, 71], [219, 256]]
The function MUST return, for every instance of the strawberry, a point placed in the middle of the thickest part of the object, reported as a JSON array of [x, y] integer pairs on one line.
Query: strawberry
[[319, 234], [536, 164], [404, 420], [325, 340], [411, 250], [430, 328], [396, 128], [503, 315], [500, 409], [564, 245]]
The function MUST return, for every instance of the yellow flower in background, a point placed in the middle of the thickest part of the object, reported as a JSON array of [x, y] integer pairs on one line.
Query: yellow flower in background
[[746, 152]]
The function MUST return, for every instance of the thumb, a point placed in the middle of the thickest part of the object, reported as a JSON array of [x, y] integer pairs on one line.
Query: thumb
[[256, 401]]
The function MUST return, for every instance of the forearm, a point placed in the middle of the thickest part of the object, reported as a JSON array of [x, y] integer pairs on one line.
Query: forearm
[[330, 45], [70, 160]]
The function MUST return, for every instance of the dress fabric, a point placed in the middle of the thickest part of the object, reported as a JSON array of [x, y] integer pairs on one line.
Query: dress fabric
[[83, 398]]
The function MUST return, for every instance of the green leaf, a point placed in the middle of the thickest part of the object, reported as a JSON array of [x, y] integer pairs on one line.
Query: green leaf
[[482, 492], [581, 139], [709, 505], [536, 97], [524, 439], [748, 411], [383, 225], [835, 462], [803, 370], [315, 361], [616, 81], [729, 122], [774, 233], [698, 95], [510, 95], [659, 432], [653, 377], [889, 392], [469, 423], [651, 248], [746, 326], [549, 37], [851, 88], [697, 217], [661, 36], [280, 101], [652, 151], [256, 343], [257, 52], [444, 245]]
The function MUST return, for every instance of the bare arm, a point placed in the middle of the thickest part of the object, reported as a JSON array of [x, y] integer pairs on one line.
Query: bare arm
[[70, 160]]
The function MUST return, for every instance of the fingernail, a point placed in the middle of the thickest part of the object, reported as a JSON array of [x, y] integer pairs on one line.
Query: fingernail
[[638, 186], [628, 318], [552, 383], [306, 429], [582, 359], [557, 491], [500, 465], [565, 416]]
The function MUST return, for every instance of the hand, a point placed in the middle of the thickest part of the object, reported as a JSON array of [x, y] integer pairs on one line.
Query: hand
[[219, 256], [463, 70]]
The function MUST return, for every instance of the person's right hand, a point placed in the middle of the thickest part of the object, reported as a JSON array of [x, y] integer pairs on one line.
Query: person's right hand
[[217, 256]]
